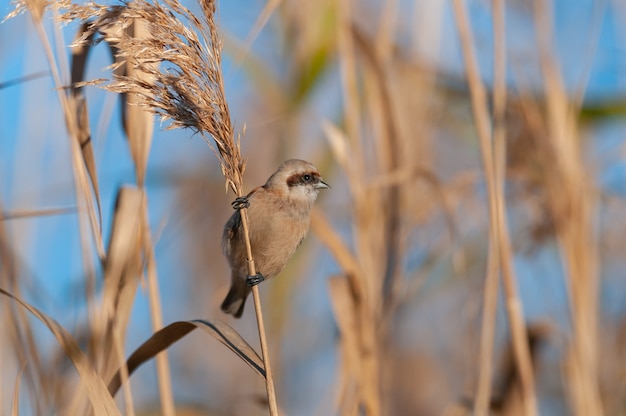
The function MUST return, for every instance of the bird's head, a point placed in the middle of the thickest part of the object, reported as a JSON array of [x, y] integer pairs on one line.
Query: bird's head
[[297, 179]]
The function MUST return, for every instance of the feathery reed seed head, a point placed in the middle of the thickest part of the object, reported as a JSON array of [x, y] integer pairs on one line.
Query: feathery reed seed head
[[181, 57]]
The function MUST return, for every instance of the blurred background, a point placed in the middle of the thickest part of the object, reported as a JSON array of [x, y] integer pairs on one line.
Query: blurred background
[[381, 309]]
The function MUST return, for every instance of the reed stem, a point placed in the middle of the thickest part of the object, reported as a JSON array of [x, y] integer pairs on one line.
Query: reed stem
[[269, 379]]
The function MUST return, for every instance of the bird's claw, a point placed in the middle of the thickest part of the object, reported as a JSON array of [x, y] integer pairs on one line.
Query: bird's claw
[[240, 202], [254, 280]]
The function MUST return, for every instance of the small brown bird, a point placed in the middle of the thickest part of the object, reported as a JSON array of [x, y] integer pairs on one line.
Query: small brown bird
[[279, 214]]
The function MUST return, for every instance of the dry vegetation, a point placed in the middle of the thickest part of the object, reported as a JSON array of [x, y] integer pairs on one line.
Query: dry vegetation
[[445, 189]]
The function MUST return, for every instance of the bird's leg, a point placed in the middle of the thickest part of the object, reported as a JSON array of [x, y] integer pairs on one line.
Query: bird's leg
[[254, 280], [240, 202]]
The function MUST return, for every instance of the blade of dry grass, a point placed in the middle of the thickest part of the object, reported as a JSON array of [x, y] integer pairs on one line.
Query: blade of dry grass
[[572, 202], [388, 145], [119, 355], [497, 217], [80, 55], [78, 65], [16, 325], [122, 271], [485, 357], [163, 339], [491, 288], [138, 125], [368, 214], [156, 314], [2, 353], [33, 213], [15, 407], [256, 28], [387, 27], [344, 310], [82, 191], [599, 9], [102, 402], [340, 251], [138, 122], [86, 147], [70, 108], [23, 79], [123, 264], [342, 152]]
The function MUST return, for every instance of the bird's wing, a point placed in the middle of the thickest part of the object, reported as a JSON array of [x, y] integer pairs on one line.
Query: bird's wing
[[253, 191], [301, 241], [232, 228], [231, 232]]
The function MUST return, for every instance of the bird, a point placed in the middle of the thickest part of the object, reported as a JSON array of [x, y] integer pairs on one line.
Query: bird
[[279, 215]]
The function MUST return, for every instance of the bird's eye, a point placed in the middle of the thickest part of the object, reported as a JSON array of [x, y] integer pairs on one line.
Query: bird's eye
[[307, 177]]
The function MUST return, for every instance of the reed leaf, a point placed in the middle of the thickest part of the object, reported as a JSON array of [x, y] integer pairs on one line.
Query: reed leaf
[[102, 402], [163, 339]]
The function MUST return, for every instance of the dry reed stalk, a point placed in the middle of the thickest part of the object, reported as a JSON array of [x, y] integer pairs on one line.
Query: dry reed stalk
[[571, 200], [490, 294], [163, 368], [485, 357], [6, 261], [70, 107], [88, 215], [97, 393], [15, 407], [138, 122], [499, 231], [2, 352], [121, 359], [387, 26], [361, 303], [23, 79], [86, 146], [588, 56], [73, 115], [18, 328], [139, 125], [388, 149], [381, 172], [121, 277], [368, 310], [191, 97], [269, 380], [259, 24], [188, 92], [345, 305]]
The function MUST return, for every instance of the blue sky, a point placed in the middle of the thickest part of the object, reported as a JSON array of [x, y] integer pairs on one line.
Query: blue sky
[[35, 174]]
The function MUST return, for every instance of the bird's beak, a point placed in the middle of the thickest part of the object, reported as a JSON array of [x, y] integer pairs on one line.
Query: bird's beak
[[322, 185]]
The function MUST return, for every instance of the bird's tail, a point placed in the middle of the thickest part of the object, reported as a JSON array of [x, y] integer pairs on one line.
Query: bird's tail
[[235, 300]]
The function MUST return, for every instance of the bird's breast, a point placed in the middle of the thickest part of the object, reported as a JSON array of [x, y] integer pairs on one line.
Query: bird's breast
[[274, 242]]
